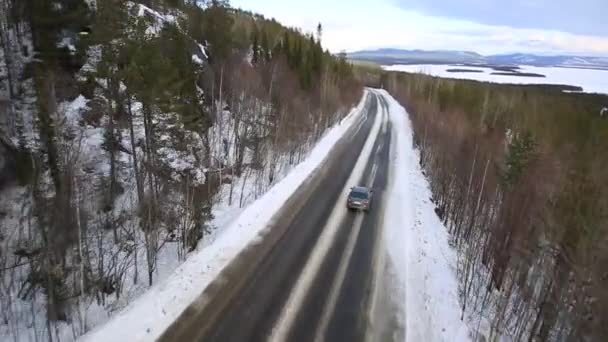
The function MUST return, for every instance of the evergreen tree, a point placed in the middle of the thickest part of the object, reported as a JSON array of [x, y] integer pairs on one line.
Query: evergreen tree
[[319, 33], [217, 30], [286, 48], [315, 55], [194, 22], [520, 154], [184, 97], [265, 47], [297, 54], [49, 20], [255, 47], [109, 22]]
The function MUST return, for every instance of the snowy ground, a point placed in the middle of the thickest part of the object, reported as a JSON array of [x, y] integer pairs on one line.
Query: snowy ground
[[417, 245], [148, 316], [592, 81]]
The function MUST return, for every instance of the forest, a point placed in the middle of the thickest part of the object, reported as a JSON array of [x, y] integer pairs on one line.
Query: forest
[[518, 175], [123, 124]]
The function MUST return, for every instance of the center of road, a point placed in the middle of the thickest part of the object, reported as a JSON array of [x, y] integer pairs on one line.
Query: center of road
[[326, 240], [348, 252]]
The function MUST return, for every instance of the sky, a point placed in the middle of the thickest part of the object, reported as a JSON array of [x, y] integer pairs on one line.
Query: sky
[[484, 26]]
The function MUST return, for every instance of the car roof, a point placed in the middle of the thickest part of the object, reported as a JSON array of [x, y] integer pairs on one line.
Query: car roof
[[360, 189]]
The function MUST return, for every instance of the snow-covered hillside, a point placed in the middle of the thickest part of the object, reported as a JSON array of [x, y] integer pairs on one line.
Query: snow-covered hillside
[[129, 137], [148, 316]]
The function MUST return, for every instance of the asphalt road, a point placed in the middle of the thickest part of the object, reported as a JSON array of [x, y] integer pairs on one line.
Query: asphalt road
[[312, 276]]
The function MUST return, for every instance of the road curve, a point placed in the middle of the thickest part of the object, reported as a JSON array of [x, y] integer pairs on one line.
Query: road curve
[[312, 275]]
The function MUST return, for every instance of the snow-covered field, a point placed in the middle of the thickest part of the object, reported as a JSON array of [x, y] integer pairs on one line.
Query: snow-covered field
[[148, 316], [417, 244], [591, 80]]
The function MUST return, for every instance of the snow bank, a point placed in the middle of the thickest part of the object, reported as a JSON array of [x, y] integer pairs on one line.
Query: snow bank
[[417, 244], [148, 316], [591, 80]]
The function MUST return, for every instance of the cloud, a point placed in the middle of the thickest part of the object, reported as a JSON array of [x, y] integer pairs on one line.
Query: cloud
[[354, 25], [504, 39], [586, 17]]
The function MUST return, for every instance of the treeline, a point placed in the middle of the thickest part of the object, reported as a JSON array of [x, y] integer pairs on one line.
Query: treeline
[[519, 177], [125, 124]]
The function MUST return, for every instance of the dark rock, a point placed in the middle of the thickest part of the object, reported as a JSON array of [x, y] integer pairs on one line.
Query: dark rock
[[440, 212]]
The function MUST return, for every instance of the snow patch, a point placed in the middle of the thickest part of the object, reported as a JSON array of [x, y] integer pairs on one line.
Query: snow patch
[[73, 111], [196, 59], [144, 10], [68, 43], [158, 19]]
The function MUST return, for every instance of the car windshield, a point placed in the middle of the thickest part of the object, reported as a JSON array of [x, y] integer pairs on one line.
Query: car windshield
[[358, 195]]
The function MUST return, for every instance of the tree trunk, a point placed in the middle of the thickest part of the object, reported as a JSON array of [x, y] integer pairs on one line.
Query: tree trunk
[[138, 179], [111, 151], [8, 60], [46, 105]]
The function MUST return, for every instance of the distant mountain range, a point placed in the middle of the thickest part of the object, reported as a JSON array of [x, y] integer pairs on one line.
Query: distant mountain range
[[398, 56]]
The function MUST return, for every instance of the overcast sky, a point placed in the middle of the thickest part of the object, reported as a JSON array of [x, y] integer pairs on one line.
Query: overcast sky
[[484, 26]]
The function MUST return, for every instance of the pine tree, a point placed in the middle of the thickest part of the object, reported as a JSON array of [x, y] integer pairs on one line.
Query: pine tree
[[315, 55], [194, 22], [297, 54], [184, 97], [265, 47], [109, 22], [520, 154], [287, 48], [319, 33], [49, 20], [217, 30], [255, 47]]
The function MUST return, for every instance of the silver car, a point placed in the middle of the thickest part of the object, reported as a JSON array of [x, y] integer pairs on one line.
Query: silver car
[[359, 198]]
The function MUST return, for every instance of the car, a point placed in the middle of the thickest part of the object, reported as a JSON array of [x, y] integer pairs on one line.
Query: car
[[359, 198]]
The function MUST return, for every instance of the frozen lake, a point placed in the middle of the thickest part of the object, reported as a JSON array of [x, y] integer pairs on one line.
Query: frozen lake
[[591, 80]]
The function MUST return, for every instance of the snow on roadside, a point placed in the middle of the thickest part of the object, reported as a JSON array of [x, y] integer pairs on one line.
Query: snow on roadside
[[417, 243], [148, 316]]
